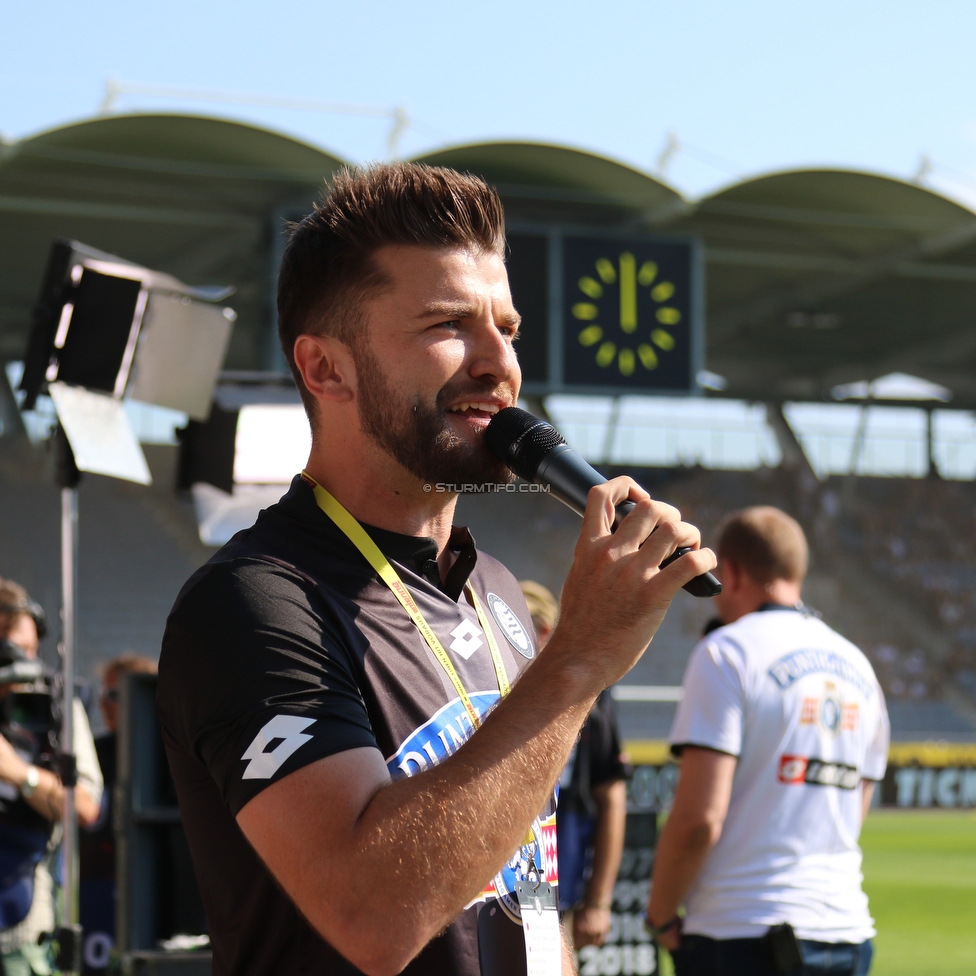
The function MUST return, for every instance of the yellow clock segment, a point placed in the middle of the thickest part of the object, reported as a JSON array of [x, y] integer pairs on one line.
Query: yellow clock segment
[[626, 314]]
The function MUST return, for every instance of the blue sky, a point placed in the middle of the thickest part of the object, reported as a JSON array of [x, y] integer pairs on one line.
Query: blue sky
[[747, 87]]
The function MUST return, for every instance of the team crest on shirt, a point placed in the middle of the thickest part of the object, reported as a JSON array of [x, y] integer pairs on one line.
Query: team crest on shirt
[[511, 626], [830, 712], [537, 852]]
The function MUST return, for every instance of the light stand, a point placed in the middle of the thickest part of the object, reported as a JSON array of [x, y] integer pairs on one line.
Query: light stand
[[69, 935], [105, 329]]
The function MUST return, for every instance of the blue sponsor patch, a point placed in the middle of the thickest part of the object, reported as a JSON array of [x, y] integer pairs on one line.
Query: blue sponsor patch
[[440, 736]]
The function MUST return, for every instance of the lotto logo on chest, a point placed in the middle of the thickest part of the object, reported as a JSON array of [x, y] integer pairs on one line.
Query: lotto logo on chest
[[467, 639]]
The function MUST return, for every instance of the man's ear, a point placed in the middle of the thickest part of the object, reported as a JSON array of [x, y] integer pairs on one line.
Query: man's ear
[[327, 367], [732, 577]]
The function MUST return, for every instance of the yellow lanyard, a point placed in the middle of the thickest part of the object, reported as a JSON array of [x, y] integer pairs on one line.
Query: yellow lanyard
[[359, 537]]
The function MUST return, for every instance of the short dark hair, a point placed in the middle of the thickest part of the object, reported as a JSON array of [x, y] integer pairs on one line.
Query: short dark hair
[[765, 542], [13, 598], [127, 663], [15, 602], [327, 271]]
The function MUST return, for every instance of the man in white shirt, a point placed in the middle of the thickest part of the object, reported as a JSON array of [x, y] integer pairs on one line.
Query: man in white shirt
[[782, 733]]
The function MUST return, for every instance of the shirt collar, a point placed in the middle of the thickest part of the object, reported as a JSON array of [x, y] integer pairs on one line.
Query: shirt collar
[[799, 607], [419, 553]]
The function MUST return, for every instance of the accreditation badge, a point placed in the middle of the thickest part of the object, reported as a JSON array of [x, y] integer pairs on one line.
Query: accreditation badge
[[540, 927]]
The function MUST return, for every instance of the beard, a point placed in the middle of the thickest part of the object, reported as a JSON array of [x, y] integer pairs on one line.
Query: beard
[[417, 434]]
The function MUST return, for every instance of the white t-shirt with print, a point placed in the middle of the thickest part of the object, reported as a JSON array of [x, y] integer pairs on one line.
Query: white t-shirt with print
[[802, 710]]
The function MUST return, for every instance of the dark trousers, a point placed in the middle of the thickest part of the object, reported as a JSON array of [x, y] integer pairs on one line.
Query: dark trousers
[[701, 956]]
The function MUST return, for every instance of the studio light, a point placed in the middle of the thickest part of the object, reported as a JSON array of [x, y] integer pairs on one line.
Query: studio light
[[105, 329]]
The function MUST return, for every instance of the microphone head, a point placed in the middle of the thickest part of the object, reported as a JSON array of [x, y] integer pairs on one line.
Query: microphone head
[[521, 440]]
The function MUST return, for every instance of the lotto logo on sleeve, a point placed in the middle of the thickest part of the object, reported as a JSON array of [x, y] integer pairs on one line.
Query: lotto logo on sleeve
[[287, 734], [799, 770]]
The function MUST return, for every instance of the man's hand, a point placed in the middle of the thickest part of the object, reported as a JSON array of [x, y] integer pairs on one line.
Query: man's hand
[[13, 769], [615, 596], [671, 939], [48, 795], [591, 923]]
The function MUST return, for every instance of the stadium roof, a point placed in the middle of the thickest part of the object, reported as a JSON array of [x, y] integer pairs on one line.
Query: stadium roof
[[822, 277], [814, 278], [191, 196], [556, 183]]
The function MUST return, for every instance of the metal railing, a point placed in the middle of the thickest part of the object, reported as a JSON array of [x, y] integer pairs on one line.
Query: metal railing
[[647, 693], [721, 434]]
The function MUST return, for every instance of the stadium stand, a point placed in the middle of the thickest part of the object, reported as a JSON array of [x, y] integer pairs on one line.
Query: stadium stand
[[917, 538], [892, 565], [892, 568], [814, 278]]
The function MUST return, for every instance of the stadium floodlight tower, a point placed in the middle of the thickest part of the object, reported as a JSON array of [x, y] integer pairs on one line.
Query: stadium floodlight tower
[[105, 329]]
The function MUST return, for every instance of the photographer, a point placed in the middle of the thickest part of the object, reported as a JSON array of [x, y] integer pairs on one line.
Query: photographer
[[31, 794]]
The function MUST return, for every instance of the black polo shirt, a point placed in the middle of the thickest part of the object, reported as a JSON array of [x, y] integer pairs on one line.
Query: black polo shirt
[[286, 648]]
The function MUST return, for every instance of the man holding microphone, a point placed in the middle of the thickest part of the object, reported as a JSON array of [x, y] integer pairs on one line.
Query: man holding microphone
[[364, 757]]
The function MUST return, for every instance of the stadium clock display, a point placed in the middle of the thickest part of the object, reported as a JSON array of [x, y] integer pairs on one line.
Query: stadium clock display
[[627, 313]]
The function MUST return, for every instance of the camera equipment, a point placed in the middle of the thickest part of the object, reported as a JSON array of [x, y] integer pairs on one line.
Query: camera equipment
[[29, 719]]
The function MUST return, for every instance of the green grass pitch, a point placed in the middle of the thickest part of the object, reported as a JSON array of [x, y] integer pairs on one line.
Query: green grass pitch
[[920, 876]]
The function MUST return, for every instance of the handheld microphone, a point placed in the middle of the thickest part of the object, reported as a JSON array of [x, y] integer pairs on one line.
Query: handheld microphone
[[537, 452]]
